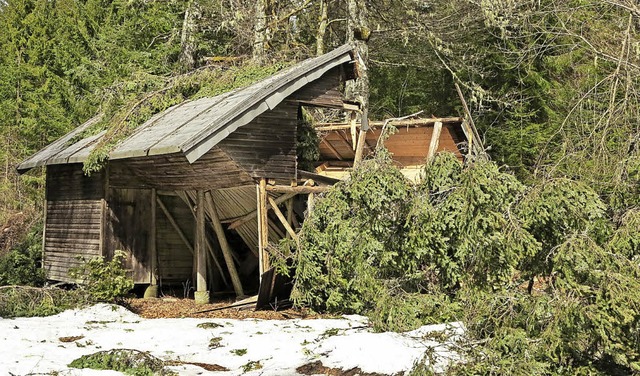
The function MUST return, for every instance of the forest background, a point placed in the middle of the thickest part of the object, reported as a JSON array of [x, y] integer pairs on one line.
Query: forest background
[[553, 85]]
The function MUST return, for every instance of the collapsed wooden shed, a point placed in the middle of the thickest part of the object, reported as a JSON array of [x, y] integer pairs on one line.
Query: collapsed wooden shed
[[188, 195], [196, 193]]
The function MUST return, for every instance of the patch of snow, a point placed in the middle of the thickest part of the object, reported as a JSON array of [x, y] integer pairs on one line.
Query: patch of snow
[[32, 345]]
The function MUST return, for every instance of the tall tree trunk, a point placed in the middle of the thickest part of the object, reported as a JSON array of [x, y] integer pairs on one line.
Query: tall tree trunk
[[261, 32], [358, 34], [187, 38], [322, 27]]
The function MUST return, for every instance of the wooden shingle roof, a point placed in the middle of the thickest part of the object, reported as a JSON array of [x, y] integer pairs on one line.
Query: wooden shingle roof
[[194, 127]]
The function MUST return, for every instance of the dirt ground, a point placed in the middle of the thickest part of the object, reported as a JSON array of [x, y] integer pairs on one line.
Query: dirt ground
[[170, 307]]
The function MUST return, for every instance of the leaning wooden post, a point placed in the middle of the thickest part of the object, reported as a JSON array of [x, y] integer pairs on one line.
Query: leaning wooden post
[[263, 227], [362, 138], [224, 245], [201, 294], [152, 290], [435, 140]]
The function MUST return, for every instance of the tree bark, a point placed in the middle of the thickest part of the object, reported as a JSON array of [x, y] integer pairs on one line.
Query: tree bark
[[261, 32], [322, 27], [187, 38], [358, 34]]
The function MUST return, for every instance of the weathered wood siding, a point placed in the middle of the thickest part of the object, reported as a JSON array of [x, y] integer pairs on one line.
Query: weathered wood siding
[[326, 91], [127, 229], [173, 172], [175, 261], [266, 147], [73, 219]]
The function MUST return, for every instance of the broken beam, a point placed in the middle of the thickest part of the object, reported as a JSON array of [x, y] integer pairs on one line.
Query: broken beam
[[301, 189]]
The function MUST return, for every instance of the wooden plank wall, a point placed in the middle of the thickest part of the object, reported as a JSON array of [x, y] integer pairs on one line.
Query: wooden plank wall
[[325, 91], [175, 262], [173, 172], [74, 214], [409, 146], [266, 147], [127, 229]]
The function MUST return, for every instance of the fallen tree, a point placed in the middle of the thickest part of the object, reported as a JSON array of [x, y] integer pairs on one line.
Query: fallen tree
[[544, 280]]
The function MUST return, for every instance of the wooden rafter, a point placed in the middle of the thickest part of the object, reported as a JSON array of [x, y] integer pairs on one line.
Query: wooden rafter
[[332, 149]]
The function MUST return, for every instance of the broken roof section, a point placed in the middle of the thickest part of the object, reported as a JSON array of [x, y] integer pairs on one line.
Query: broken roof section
[[194, 127]]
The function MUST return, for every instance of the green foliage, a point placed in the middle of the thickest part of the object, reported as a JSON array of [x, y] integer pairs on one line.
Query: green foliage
[[552, 210], [308, 143], [129, 362], [26, 301], [375, 234], [23, 265], [350, 244], [462, 245], [104, 281]]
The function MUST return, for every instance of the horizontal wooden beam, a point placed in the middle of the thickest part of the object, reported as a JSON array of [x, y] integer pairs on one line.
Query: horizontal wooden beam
[[397, 123], [301, 189]]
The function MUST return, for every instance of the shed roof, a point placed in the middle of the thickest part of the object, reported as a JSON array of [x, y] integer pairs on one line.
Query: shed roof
[[194, 127]]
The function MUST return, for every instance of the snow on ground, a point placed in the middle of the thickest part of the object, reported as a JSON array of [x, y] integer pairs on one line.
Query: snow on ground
[[33, 345]]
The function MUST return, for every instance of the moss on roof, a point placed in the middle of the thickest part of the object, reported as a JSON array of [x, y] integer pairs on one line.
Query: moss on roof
[[129, 104]]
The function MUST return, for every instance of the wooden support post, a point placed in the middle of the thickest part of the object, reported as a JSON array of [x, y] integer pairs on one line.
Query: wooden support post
[[185, 198], [352, 128], [435, 139], [44, 235], [153, 250], [201, 293], [224, 245], [263, 227], [192, 194], [201, 255], [283, 220]]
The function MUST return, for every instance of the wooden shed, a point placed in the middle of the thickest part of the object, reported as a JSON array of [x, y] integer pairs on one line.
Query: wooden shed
[[195, 194]]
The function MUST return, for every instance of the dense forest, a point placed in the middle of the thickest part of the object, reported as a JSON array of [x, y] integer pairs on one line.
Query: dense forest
[[553, 87]]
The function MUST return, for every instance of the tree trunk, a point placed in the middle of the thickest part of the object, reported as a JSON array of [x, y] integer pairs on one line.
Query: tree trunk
[[322, 27], [358, 34], [187, 37], [261, 32]]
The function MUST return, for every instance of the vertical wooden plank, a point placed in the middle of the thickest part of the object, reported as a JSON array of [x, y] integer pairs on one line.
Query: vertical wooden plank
[[44, 237], [104, 215], [224, 245], [435, 139], [259, 220], [201, 255], [263, 226], [153, 250]]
